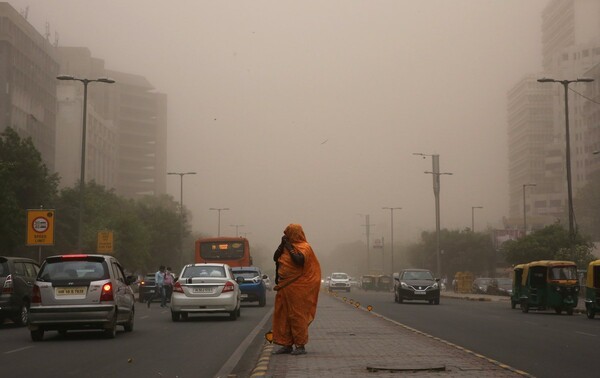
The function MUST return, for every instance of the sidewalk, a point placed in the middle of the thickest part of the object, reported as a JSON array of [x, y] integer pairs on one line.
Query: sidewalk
[[349, 341]]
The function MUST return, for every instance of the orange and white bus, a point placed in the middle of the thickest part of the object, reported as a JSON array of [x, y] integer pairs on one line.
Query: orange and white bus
[[225, 250]]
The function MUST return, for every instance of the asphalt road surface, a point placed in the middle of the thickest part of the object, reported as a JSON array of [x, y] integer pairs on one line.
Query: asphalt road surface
[[203, 346]]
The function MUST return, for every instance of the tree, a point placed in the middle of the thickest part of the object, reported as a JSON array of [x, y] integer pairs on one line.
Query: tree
[[25, 183], [460, 251], [544, 244]]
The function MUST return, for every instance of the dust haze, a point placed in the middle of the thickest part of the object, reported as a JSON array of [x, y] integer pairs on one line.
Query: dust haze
[[310, 111]]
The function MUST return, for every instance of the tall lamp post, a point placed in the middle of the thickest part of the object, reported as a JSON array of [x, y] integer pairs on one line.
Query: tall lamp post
[[237, 226], [435, 172], [83, 143], [565, 84], [181, 174], [391, 209], [525, 209], [219, 209], [473, 216]]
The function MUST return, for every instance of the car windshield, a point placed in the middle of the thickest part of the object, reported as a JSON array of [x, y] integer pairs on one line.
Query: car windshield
[[504, 283], [203, 271], [73, 269], [563, 273], [417, 275], [339, 276]]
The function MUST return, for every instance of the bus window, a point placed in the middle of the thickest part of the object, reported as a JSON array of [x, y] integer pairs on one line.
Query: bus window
[[225, 250]]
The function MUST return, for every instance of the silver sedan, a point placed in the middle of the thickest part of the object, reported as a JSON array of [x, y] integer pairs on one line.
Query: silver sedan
[[205, 288]]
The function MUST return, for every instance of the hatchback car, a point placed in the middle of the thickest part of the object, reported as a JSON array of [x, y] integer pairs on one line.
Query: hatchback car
[[206, 288], [81, 292], [253, 287], [17, 275], [416, 284], [339, 281]]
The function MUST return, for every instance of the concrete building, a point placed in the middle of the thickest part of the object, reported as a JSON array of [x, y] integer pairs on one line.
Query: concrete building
[[570, 48], [28, 69]]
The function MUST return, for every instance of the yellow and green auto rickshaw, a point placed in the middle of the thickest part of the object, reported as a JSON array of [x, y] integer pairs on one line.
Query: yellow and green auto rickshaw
[[384, 283], [592, 289], [549, 284], [515, 296], [368, 282]]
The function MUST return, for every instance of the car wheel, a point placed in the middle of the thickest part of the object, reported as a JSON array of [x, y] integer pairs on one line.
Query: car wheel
[[111, 331], [558, 310], [590, 312], [175, 316], [233, 315], [37, 335], [239, 311], [184, 316], [23, 316], [129, 325], [262, 301], [436, 301], [569, 310], [524, 307]]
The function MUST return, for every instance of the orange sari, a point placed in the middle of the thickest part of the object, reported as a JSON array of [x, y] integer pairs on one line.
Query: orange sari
[[297, 291]]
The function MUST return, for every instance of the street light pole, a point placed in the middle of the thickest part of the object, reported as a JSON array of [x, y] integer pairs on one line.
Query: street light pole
[[219, 225], [391, 209], [181, 174], [435, 161], [237, 226], [473, 216], [525, 209], [83, 143], [565, 84]]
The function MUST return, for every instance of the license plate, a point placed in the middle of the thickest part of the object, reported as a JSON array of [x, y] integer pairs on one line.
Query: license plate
[[420, 292], [244, 296], [68, 291], [201, 290]]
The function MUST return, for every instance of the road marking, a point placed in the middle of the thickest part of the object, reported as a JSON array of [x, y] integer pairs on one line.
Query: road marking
[[18, 350], [241, 349], [585, 333]]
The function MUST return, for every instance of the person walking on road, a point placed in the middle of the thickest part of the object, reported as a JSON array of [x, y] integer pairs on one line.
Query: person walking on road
[[297, 282], [169, 281], [159, 279]]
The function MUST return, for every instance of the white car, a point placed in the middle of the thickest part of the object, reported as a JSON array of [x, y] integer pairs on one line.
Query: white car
[[339, 281], [206, 288]]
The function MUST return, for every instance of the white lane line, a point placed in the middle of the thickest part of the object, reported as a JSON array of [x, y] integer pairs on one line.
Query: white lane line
[[18, 350], [241, 349], [585, 333]]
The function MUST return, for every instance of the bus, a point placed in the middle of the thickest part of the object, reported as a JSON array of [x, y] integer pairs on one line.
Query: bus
[[232, 251]]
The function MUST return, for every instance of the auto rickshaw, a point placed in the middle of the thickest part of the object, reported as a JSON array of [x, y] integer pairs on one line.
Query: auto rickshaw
[[549, 284], [592, 289], [517, 285], [368, 282], [384, 283]]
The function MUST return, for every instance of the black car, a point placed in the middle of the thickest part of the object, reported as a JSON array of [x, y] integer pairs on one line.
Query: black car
[[416, 284], [147, 288], [17, 276]]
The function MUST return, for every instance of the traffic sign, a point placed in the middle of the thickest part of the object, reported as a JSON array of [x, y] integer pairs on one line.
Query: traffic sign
[[105, 242], [40, 227]]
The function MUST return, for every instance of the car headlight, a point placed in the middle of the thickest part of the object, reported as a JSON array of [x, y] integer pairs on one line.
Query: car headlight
[[404, 285], [435, 285]]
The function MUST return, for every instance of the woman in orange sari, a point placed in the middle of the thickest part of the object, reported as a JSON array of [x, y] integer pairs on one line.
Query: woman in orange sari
[[298, 281]]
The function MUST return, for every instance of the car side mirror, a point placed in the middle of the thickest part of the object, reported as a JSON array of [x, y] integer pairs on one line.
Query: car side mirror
[[239, 280]]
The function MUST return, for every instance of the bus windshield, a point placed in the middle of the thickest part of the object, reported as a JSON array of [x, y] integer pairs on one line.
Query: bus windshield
[[222, 250]]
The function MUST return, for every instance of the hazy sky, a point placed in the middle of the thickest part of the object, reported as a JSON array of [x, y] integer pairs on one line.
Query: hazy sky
[[309, 111]]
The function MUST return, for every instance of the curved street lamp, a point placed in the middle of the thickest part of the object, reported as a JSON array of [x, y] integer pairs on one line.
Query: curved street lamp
[[83, 142]]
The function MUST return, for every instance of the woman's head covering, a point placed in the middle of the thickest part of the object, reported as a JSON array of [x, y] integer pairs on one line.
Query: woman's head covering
[[295, 233]]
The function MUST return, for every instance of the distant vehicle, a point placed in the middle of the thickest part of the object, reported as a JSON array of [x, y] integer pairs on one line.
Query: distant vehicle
[[81, 292], [550, 284], [206, 289], [147, 288], [339, 281], [500, 286], [592, 289], [480, 285], [224, 250], [17, 275], [354, 282], [253, 287], [416, 284]]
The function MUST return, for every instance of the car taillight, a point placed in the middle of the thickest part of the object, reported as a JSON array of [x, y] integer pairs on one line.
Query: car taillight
[[36, 296], [107, 292], [177, 287], [8, 285], [229, 286]]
